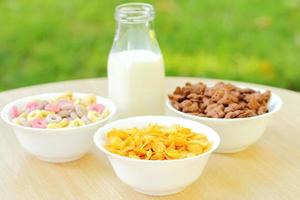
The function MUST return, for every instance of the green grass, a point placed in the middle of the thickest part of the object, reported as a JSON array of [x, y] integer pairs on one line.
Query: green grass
[[249, 40]]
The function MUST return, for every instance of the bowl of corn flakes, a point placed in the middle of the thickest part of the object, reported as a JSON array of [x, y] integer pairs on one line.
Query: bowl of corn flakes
[[57, 127], [157, 155]]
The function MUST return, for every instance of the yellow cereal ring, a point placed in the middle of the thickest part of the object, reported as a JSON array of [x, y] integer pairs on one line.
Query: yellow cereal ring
[[89, 100], [53, 125], [76, 122], [17, 121], [45, 113], [77, 101], [23, 114], [105, 113], [63, 123], [69, 94], [66, 96], [34, 114], [93, 116]]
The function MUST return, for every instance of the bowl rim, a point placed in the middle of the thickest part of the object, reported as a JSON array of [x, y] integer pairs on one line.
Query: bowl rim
[[101, 130], [277, 107], [6, 119]]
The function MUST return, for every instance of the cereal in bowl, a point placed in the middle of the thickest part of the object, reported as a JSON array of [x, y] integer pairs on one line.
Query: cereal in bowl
[[156, 142], [223, 100], [60, 112]]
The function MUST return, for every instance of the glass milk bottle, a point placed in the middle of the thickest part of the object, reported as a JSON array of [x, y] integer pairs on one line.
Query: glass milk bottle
[[135, 64]]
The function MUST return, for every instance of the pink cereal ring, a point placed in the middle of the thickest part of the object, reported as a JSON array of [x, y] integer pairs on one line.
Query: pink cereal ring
[[97, 107], [14, 112], [31, 106], [67, 106], [63, 102], [38, 123], [52, 107]]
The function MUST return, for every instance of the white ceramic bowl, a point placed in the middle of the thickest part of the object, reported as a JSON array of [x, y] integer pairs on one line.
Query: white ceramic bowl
[[56, 145], [157, 177], [236, 134]]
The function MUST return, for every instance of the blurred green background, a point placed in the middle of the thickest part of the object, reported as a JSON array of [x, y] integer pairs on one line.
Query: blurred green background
[[249, 40]]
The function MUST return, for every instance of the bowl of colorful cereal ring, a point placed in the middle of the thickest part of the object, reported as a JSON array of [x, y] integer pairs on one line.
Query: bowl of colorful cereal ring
[[157, 155], [58, 127]]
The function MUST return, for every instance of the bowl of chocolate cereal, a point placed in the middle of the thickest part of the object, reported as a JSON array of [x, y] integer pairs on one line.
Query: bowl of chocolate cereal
[[239, 114]]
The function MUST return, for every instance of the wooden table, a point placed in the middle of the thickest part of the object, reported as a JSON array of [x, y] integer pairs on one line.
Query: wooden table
[[270, 169]]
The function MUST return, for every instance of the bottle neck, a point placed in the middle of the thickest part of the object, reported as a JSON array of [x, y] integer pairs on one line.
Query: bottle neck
[[135, 36], [134, 13], [135, 28]]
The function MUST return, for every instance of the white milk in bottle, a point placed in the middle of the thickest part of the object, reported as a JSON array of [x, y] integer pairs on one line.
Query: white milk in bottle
[[135, 64]]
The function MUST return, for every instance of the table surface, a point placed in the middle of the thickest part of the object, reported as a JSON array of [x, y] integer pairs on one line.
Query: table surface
[[269, 169]]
